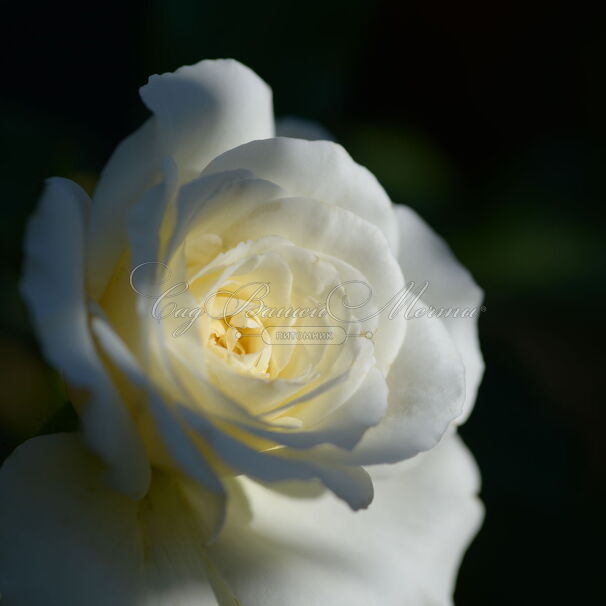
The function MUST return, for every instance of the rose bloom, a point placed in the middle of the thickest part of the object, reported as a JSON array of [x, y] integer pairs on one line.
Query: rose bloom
[[215, 465]]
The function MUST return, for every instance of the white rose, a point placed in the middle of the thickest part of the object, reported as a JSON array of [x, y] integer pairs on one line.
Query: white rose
[[131, 294]]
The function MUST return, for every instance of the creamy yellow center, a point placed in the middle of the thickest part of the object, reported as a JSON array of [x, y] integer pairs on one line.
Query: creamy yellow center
[[237, 339]]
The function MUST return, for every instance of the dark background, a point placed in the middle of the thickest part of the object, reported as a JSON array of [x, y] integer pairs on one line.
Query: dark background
[[488, 119]]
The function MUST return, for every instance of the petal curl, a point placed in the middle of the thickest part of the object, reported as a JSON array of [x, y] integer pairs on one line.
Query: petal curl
[[208, 108]]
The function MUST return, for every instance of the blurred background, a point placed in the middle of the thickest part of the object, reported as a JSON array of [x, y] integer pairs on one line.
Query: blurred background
[[488, 119]]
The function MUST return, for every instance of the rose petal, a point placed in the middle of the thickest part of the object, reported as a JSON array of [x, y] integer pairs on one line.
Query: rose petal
[[424, 256], [67, 538], [321, 170], [53, 287], [200, 111], [321, 228], [426, 392], [349, 482], [183, 451], [130, 171], [344, 427], [208, 108], [405, 549]]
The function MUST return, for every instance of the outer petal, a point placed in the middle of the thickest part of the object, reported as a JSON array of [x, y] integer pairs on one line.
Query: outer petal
[[426, 393], [321, 170], [67, 539], [182, 449], [424, 256], [200, 112], [405, 549], [208, 108], [132, 169], [53, 286]]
